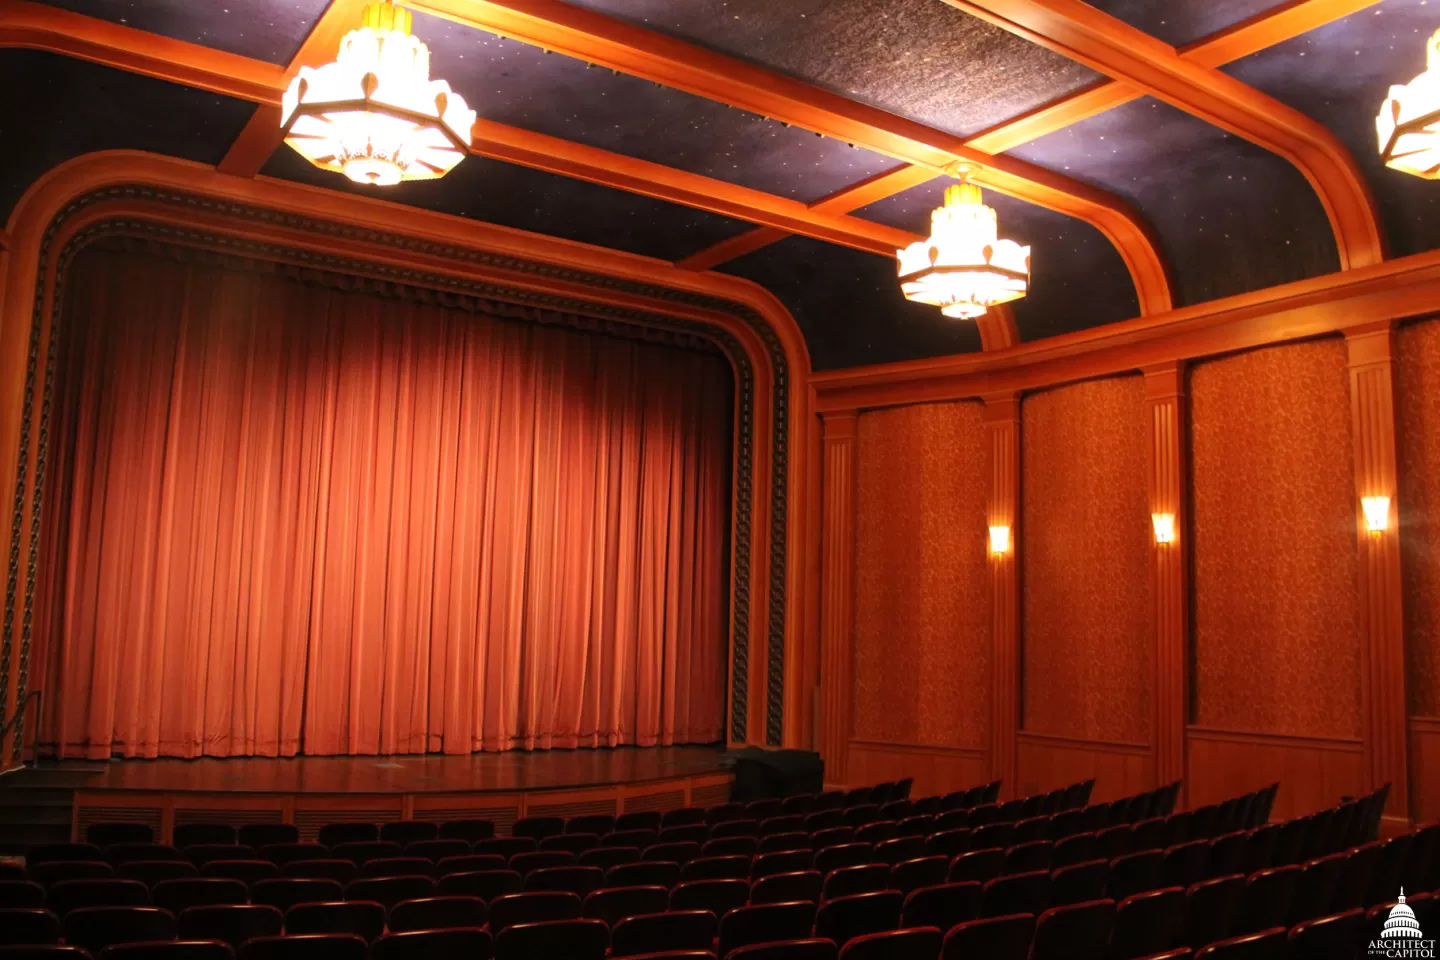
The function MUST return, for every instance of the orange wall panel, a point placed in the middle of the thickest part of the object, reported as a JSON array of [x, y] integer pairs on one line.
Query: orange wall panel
[[1417, 431], [1085, 553], [1276, 589], [922, 604], [1048, 763]]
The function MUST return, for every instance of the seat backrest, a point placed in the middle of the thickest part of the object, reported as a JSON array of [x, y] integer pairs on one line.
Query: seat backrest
[[1148, 923], [1269, 894], [203, 853], [283, 853], [334, 834], [1319, 937], [979, 865], [661, 873], [1387, 861], [187, 835], [580, 939], [613, 904], [943, 905], [230, 923], [176, 895], [787, 887], [577, 880], [1262, 945], [1185, 864], [1078, 931], [361, 852], [1079, 882], [437, 913], [607, 857], [996, 938], [52, 871], [390, 890], [313, 946], [911, 875], [513, 908], [1134, 873], [639, 820], [920, 943], [845, 881], [47, 852], [68, 895], [1212, 908], [729, 847], [485, 884], [96, 928], [284, 892], [259, 835], [170, 950], [467, 830], [656, 932], [717, 896], [765, 923], [1075, 848], [364, 918], [107, 834], [523, 863], [118, 853], [28, 925], [1316, 886], [846, 917], [1016, 893], [405, 832], [456, 943], [596, 823], [437, 850], [812, 949]]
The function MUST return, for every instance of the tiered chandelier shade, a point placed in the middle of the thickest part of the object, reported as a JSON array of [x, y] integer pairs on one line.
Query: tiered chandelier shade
[[964, 268], [1409, 121], [374, 114]]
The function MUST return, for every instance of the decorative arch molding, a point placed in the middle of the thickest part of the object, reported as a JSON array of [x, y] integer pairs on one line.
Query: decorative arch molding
[[192, 205]]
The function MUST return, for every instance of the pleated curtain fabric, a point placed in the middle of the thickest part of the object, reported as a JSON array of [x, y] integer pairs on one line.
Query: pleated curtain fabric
[[284, 518]]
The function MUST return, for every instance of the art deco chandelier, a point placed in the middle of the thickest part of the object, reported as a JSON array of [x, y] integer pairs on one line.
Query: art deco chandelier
[[964, 268], [374, 114], [1409, 121]]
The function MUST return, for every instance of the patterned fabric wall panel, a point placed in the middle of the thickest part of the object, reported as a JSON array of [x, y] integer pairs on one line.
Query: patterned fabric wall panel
[[1085, 550], [1417, 430], [922, 585], [1276, 576]]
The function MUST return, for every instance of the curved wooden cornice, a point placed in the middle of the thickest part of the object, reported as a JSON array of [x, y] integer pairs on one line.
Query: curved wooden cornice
[[602, 40], [43, 27], [1107, 44]]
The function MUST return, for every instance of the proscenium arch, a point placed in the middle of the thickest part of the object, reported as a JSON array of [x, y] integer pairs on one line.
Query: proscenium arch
[[189, 201]]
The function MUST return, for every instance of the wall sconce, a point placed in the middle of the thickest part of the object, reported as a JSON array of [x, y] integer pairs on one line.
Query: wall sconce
[[1164, 527], [999, 540], [1377, 514]]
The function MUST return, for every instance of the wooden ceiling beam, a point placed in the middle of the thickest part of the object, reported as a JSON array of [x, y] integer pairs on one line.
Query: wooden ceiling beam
[[608, 42], [1260, 32], [1111, 46], [43, 27]]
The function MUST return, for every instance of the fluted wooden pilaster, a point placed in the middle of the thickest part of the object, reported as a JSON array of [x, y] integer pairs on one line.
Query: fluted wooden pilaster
[[1002, 422], [837, 592], [1382, 650], [1169, 569]]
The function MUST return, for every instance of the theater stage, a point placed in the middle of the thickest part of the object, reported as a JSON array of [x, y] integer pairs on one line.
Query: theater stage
[[312, 791]]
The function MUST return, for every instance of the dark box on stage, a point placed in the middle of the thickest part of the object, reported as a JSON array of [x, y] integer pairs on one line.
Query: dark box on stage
[[775, 773]]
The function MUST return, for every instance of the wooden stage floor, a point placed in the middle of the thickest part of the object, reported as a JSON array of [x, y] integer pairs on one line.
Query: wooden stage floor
[[312, 791], [514, 770]]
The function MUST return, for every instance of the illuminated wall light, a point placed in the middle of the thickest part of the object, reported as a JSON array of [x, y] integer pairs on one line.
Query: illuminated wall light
[[999, 540], [1164, 527], [1377, 514]]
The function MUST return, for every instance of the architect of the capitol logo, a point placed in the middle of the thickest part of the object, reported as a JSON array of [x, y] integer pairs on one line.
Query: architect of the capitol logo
[[1401, 936]]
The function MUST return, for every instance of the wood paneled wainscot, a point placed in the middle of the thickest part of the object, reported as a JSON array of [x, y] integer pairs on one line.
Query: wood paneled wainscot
[[1313, 772], [1045, 762], [937, 770]]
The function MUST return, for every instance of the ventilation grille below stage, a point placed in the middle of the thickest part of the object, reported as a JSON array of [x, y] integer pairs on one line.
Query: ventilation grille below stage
[[669, 800], [503, 817], [575, 808], [86, 816], [309, 821]]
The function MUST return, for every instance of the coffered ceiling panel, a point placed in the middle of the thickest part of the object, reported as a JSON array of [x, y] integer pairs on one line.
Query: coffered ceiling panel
[[849, 306], [922, 59], [521, 85], [264, 29], [1078, 279], [72, 107], [1340, 74], [540, 202], [1231, 216], [1179, 22]]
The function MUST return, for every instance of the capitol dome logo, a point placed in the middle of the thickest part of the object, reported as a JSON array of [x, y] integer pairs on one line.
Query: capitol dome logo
[[1401, 936]]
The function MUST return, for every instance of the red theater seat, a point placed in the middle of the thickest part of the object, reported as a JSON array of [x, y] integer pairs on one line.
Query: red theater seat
[[613, 904], [230, 923], [28, 925], [364, 918], [765, 923], [921, 943], [170, 950], [323, 946], [152, 872], [657, 932], [996, 938], [438, 913], [456, 944], [571, 939], [96, 928]]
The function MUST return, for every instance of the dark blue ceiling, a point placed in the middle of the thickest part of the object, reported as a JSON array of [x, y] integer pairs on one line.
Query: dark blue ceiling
[[1078, 279], [1179, 22], [72, 107], [922, 59], [520, 85], [264, 29], [540, 202], [1340, 74], [849, 306], [1231, 216]]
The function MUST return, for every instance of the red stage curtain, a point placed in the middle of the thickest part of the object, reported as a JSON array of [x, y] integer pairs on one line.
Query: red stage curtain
[[286, 518]]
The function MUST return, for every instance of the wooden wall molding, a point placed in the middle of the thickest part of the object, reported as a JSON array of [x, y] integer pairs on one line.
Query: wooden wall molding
[[1313, 772], [1100, 746], [837, 593], [1169, 568], [332, 227], [1106, 44], [1002, 425], [1424, 768], [1382, 620]]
